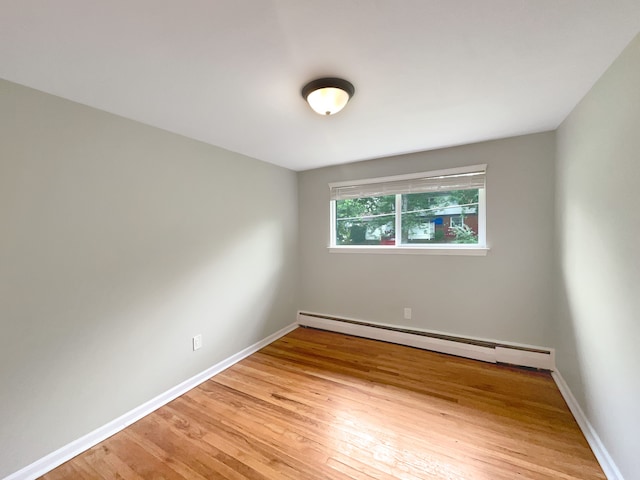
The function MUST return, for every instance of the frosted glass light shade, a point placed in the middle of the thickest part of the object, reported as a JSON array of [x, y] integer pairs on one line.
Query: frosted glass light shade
[[327, 96], [327, 101]]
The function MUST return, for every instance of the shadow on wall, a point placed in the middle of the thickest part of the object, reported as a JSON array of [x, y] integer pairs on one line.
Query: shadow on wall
[[110, 266], [597, 325], [568, 355]]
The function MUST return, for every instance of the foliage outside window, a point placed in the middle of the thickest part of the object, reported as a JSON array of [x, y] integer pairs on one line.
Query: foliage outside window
[[426, 210], [366, 220]]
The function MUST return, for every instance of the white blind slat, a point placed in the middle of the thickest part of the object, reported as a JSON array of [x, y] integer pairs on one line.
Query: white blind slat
[[441, 183]]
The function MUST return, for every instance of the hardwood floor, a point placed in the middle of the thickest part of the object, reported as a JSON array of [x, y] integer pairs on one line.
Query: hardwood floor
[[317, 405]]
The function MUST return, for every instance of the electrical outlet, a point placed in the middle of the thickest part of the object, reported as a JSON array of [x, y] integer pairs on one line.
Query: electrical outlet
[[197, 342], [407, 313]]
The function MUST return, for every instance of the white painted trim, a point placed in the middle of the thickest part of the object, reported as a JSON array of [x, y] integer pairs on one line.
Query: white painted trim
[[482, 216], [63, 454], [491, 354], [426, 343], [427, 250], [602, 455], [398, 223], [410, 176], [332, 223], [525, 358], [428, 331]]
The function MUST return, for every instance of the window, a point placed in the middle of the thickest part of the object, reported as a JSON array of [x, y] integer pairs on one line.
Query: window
[[430, 212]]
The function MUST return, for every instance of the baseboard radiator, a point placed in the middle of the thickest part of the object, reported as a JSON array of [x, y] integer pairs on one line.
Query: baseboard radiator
[[477, 349]]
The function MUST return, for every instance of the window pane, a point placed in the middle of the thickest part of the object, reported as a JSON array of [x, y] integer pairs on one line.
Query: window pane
[[440, 217], [366, 221]]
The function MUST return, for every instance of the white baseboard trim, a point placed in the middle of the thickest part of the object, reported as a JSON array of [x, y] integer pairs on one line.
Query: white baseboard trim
[[434, 344], [491, 351], [58, 457], [606, 462]]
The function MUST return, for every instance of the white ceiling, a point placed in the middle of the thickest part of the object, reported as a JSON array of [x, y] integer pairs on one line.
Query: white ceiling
[[428, 73]]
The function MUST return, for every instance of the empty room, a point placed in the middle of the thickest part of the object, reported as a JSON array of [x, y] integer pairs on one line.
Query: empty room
[[284, 239]]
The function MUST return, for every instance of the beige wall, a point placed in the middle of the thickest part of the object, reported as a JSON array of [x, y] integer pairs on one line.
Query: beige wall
[[118, 243], [506, 295], [598, 228]]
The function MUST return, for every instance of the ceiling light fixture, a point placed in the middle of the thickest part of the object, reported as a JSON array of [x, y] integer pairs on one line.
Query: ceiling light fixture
[[328, 95]]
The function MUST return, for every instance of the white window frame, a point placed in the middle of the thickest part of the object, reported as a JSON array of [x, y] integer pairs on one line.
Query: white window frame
[[478, 249]]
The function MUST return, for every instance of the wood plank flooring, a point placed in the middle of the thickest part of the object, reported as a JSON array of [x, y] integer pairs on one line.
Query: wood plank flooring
[[317, 405]]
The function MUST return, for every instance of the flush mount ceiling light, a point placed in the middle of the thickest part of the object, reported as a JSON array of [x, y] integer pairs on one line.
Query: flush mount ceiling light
[[328, 95]]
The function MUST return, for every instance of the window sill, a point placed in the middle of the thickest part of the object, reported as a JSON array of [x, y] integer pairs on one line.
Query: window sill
[[426, 250]]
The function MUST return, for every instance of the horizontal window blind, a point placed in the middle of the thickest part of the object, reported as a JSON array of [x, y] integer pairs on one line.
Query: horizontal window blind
[[419, 184]]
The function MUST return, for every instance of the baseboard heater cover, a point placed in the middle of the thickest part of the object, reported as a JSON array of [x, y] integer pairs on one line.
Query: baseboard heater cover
[[477, 349]]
